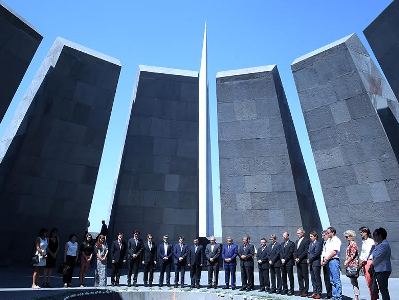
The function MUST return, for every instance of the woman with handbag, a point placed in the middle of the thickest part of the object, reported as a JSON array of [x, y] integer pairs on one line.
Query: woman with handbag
[[39, 259], [70, 259], [351, 261], [101, 251]]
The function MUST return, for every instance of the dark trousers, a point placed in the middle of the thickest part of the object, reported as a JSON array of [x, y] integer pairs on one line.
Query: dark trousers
[[230, 272], [327, 282], [133, 269], [149, 268], [264, 279], [195, 274], [69, 261], [287, 271], [213, 274], [247, 276], [165, 267], [382, 281], [316, 279], [116, 267], [179, 269], [303, 277], [275, 274]]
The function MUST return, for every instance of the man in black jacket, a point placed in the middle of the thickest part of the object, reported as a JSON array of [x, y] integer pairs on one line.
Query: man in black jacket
[[149, 260], [134, 252], [165, 253], [118, 257], [262, 257], [301, 260], [287, 264], [275, 264], [246, 253], [314, 261], [180, 253], [195, 261], [212, 254]]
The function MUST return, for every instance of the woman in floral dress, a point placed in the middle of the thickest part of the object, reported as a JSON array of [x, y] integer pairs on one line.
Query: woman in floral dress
[[352, 260], [101, 250]]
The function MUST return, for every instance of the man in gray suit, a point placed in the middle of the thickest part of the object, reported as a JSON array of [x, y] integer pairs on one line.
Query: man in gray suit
[[212, 253]]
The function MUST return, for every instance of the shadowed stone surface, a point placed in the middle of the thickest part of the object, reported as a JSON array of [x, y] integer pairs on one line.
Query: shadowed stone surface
[[51, 151], [264, 184], [157, 188], [345, 101], [18, 43], [383, 37]]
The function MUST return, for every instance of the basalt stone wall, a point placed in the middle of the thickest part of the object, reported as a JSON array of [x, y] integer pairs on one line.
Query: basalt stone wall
[[157, 187], [264, 184], [350, 111], [18, 44], [51, 152], [383, 37]]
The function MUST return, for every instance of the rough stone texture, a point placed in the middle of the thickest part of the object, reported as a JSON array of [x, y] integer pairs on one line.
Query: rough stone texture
[[264, 184], [157, 187], [383, 37], [18, 44], [345, 101], [51, 151]]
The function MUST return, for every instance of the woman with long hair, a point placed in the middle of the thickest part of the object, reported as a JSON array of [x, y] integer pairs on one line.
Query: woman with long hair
[[41, 244], [86, 255], [52, 251], [101, 250], [70, 259]]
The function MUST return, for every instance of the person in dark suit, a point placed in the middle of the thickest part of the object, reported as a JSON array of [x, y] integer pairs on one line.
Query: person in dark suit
[[165, 252], [301, 260], [118, 257], [212, 254], [149, 260], [314, 262], [229, 254], [246, 253], [104, 229], [326, 270], [262, 257], [275, 264], [287, 264], [134, 252], [180, 252], [195, 261]]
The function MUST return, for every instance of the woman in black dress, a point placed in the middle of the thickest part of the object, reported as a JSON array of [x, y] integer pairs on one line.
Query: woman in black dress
[[86, 255], [52, 251]]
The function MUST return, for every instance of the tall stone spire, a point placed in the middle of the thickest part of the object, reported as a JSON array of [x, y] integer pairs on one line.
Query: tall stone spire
[[205, 172]]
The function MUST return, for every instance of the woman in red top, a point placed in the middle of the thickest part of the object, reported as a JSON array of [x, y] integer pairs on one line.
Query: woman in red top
[[352, 260]]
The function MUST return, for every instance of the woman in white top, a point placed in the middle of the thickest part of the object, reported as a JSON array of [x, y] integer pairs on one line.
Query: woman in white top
[[70, 259], [41, 244], [365, 259]]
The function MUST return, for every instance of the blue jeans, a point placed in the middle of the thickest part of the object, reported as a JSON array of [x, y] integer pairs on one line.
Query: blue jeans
[[335, 279], [230, 270]]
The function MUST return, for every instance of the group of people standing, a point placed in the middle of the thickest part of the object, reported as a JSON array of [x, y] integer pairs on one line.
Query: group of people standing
[[276, 261]]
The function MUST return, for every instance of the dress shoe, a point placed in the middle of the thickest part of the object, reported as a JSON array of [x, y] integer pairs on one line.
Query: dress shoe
[[262, 290], [197, 286], [283, 293], [129, 284], [134, 283], [268, 290], [311, 296], [182, 286], [150, 285], [303, 294], [316, 296], [249, 289], [243, 288], [278, 292], [290, 293], [176, 285], [160, 285], [233, 288], [168, 284], [215, 287], [226, 287], [209, 286], [272, 291], [145, 284]]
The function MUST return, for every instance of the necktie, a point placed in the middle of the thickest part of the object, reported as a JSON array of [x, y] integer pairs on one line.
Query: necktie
[[228, 247], [135, 242], [181, 248], [195, 249], [150, 245]]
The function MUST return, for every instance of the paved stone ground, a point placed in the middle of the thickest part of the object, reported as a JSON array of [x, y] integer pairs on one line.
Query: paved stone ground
[[15, 284]]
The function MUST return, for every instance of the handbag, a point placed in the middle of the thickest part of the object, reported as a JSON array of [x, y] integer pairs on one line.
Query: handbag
[[352, 272], [35, 259]]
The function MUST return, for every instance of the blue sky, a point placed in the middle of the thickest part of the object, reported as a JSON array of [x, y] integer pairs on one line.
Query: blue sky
[[169, 34]]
